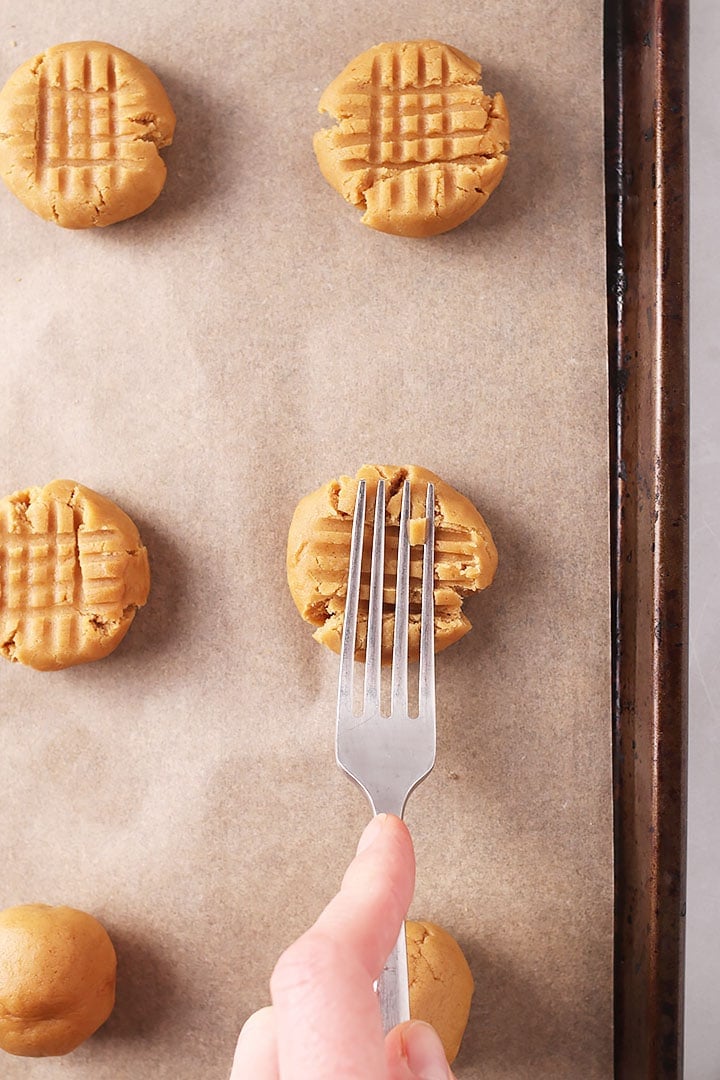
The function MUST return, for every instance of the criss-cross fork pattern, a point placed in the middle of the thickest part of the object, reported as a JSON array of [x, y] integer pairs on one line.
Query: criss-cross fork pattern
[[50, 572], [412, 112], [415, 122], [77, 114]]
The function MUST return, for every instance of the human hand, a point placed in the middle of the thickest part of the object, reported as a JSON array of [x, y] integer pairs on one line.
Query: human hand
[[324, 1023]]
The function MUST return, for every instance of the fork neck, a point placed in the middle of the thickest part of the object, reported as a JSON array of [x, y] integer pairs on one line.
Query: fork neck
[[387, 805]]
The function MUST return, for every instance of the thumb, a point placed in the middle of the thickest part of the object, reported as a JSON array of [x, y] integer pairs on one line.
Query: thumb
[[414, 1052]]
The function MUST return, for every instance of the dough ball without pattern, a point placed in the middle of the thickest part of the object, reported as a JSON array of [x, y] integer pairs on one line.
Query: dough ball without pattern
[[441, 983], [57, 979]]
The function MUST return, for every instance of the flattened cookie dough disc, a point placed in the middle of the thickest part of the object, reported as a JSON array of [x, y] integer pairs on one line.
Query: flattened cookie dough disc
[[73, 572], [57, 979], [418, 143], [318, 556], [441, 983], [80, 129]]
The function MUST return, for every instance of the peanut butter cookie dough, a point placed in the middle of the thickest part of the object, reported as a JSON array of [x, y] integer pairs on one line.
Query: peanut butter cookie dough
[[73, 572], [57, 979], [318, 555], [418, 143], [81, 125], [441, 984]]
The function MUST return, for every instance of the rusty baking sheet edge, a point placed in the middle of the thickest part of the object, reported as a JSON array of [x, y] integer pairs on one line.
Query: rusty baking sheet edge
[[646, 91]]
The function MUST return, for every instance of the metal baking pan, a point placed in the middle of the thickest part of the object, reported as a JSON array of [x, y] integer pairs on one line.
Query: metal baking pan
[[646, 90]]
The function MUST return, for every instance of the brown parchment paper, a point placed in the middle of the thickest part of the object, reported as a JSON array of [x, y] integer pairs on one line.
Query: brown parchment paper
[[206, 365]]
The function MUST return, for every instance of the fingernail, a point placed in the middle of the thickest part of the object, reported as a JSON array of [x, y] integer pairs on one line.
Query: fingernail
[[371, 833], [424, 1052]]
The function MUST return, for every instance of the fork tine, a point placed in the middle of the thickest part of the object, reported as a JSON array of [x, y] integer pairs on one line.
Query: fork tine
[[402, 607], [426, 700], [373, 652], [347, 650]]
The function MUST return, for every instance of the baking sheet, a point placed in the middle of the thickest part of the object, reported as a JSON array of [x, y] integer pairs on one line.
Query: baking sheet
[[205, 365], [646, 82]]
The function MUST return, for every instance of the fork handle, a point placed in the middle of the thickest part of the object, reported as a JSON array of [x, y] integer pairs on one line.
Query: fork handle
[[393, 990]]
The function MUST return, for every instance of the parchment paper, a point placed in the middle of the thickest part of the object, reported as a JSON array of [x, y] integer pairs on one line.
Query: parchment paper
[[206, 365]]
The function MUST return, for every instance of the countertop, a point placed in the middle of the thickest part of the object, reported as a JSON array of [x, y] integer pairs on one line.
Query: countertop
[[702, 1060]]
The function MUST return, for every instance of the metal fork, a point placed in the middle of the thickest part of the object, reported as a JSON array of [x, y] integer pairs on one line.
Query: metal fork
[[388, 756]]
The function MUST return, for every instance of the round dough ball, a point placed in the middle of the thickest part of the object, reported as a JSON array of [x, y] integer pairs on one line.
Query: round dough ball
[[73, 572], [318, 556], [418, 143], [441, 984], [57, 979], [81, 125]]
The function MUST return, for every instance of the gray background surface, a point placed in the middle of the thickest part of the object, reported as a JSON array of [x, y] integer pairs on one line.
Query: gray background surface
[[703, 941]]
